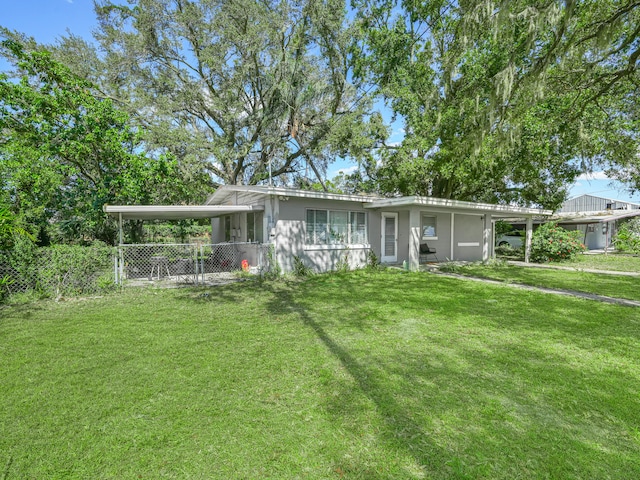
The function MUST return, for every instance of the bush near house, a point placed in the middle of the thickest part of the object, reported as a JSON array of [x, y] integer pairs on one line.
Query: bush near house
[[628, 237], [551, 243]]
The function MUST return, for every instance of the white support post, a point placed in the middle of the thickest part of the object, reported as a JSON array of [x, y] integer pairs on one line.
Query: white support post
[[414, 239], [120, 233], [527, 243], [453, 232], [487, 235]]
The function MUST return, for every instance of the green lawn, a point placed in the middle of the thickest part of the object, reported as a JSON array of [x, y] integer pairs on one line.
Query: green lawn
[[387, 375], [611, 261], [599, 284]]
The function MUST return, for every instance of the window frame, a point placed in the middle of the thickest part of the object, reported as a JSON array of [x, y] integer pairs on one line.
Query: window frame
[[226, 221], [330, 238], [423, 226], [256, 226]]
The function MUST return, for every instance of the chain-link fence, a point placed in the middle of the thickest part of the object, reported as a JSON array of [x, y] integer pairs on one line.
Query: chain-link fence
[[62, 270], [180, 264], [73, 270]]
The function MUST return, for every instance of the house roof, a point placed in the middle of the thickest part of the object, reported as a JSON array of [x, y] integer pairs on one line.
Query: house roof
[[227, 192], [446, 204], [593, 217], [175, 212]]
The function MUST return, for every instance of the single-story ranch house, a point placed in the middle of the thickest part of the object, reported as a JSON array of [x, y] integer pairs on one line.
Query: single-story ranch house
[[323, 229]]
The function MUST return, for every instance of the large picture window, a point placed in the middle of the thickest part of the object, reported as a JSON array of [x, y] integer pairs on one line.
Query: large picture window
[[336, 227], [429, 227]]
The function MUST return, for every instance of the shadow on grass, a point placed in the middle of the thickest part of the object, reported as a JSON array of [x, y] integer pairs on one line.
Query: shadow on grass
[[461, 373], [400, 427]]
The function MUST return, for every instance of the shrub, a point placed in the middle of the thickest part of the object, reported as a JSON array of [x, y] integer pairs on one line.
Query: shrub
[[299, 268], [551, 243], [273, 271], [342, 265], [628, 237], [373, 263]]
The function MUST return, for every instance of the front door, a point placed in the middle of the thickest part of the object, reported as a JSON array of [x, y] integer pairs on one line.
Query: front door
[[389, 230]]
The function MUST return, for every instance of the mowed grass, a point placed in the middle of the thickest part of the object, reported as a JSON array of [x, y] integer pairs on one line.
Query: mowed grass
[[363, 375], [617, 286], [610, 261]]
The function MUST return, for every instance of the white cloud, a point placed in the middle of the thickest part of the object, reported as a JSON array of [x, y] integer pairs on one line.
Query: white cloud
[[345, 171], [593, 176]]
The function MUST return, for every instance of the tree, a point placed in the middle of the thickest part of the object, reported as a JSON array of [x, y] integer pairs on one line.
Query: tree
[[627, 238], [9, 228], [66, 152], [505, 101], [241, 89]]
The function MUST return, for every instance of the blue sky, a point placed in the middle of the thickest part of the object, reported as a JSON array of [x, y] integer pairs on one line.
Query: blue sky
[[48, 20]]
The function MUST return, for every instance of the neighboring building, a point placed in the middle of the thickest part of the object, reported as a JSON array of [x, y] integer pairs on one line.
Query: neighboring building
[[597, 217], [591, 203], [325, 229]]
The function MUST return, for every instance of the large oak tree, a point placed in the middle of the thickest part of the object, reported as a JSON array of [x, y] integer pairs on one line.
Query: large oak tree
[[243, 89], [504, 100]]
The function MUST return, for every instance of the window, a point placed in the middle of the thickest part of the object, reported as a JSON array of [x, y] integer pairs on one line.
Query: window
[[336, 227], [254, 227], [429, 227], [227, 228]]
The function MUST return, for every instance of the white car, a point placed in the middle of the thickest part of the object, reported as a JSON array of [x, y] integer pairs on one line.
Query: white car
[[514, 239]]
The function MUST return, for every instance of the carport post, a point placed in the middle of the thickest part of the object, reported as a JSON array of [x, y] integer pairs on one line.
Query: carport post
[[487, 235], [120, 234], [527, 242], [414, 239]]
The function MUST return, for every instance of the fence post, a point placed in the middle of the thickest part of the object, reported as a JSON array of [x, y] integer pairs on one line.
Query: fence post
[[202, 263], [121, 261], [195, 260], [116, 280]]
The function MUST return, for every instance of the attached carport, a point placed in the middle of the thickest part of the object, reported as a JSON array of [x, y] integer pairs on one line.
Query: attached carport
[[172, 212]]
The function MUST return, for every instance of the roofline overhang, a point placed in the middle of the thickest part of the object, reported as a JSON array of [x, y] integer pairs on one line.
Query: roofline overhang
[[226, 190], [175, 212], [568, 217], [447, 204]]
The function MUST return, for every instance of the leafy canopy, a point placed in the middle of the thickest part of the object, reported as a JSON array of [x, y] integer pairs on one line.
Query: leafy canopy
[[240, 89], [504, 101], [65, 152]]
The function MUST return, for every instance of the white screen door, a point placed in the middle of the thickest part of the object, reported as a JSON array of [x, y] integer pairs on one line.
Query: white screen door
[[389, 238]]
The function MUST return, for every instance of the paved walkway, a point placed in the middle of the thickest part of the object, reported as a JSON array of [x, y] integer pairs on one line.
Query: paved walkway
[[554, 291]]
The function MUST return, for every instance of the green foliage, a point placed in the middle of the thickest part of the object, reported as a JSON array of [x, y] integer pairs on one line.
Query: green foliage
[[273, 269], [373, 262], [342, 265], [502, 228], [61, 270], [235, 87], [509, 251], [10, 228], [503, 102], [551, 243], [627, 238], [67, 150], [5, 283], [300, 269]]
